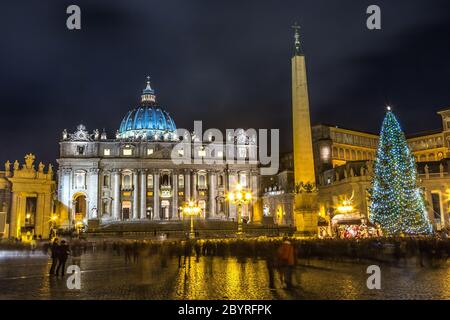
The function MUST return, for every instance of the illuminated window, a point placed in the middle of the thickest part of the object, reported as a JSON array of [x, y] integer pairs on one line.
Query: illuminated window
[[107, 152], [201, 153], [242, 152], [243, 179], [127, 152], [202, 205], [149, 151], [180, 180], [202, 180], [150, 181], [181, 152], [80, 179], [126, 181], [325, 153]]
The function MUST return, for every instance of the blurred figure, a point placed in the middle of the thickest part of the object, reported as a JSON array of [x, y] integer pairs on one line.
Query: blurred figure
[[62, 254], [197, 248], [54, 255], [270, 254], [33, 244], [135, 252], [287, 260], [76, 252], [128, 250]]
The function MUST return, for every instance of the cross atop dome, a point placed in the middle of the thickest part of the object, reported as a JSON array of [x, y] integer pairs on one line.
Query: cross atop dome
[[148, 94]]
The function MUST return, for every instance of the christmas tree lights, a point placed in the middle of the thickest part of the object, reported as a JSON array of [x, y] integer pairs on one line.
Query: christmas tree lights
[[397, 202]]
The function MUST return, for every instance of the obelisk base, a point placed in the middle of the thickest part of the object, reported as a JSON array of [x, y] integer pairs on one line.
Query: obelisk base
[[306, 214]]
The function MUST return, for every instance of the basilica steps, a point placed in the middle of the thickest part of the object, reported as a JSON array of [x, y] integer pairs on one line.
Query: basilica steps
[[179, 229]]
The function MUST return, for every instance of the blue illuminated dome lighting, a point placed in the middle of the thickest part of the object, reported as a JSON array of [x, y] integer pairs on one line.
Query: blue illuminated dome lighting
[[148, 121]]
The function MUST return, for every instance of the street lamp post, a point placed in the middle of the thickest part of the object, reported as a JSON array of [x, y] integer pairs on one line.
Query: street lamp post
[[53, 228], [191, 209], [239, 197]]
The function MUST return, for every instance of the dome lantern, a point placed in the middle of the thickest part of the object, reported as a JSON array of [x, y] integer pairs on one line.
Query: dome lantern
[[148, 121], [148, 94]]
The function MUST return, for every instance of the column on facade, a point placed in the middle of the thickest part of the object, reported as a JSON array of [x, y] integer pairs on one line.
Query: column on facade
[[92, 189], [187, 185], [143, 214], [64, 194], [156, 203], [232, 182], [135, 194], [71, 207], [40, 213], [15, 215], [116, 194], [255, 196], [212, 193], [175, 195], [194, 185], [226, 185]]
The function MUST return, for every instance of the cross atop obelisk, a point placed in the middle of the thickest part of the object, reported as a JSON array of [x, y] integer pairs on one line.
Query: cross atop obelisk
[[297, 47]]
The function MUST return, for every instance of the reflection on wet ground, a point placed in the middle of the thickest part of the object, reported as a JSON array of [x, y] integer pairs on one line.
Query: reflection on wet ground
[[105, 276]]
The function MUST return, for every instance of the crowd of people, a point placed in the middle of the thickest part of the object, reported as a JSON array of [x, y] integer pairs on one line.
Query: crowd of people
[[280, 254]]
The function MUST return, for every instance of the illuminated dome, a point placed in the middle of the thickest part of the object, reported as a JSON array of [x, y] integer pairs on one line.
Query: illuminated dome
[[147, 121]]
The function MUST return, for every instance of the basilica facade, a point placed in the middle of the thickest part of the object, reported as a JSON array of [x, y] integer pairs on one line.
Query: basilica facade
[[133, 176]]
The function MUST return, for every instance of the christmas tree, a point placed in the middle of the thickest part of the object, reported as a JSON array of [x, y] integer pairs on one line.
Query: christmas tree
[[397, 202]]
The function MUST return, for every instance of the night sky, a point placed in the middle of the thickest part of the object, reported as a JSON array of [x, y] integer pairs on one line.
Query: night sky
[[224, 62]]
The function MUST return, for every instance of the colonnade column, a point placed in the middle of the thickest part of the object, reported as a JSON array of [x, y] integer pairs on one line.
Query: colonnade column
[[175, 195], [116, 194], [232, 182], [135, 194], [194, 185], [143, 194], [156, 203], [187, 185], [254, 189], [212, 194]]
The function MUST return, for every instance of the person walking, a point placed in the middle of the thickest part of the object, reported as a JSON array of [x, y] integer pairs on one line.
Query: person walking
[[54, 255], [76, 251], [287, 260], [33, 244], [62, 254], [270, 254]]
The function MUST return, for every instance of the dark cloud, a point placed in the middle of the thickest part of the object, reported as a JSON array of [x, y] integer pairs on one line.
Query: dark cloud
[[224, 62]]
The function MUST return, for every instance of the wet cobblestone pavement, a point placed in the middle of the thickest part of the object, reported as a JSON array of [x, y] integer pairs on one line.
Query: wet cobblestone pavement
[[105, 276]]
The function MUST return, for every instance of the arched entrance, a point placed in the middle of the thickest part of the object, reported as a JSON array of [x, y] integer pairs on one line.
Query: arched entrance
[[79, 206]]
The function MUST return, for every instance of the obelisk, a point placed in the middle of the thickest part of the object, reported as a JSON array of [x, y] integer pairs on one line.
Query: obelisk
[[305, 207]]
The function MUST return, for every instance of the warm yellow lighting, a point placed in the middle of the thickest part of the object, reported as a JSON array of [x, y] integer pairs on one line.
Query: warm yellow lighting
[[238, 187], [28, 216], [54, 217], [191, 209], [345, 209], [231, 196], [248, 196], [239, 195]]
